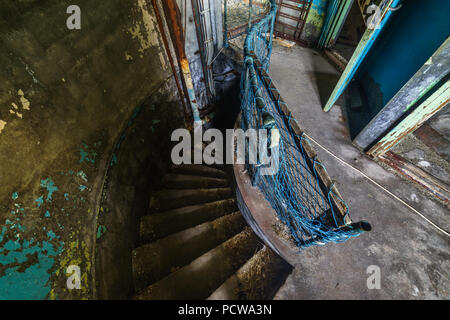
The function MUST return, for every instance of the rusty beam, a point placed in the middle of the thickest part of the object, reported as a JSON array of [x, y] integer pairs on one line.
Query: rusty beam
[[337, 59]]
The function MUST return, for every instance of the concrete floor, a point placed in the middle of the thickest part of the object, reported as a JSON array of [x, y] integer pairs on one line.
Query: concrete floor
[[413, 257]]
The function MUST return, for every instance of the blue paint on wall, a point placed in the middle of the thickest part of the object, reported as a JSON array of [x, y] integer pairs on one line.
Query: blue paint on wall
[[49, 184], [26, 264], [415, 32], [86, 154], [33, 282], [319, 6], [409, 39], [39, 201]]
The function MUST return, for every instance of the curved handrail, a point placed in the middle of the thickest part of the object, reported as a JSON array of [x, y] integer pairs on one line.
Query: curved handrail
[[301, 192]]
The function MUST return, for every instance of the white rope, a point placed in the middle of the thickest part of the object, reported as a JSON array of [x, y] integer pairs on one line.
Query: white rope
[[380, 186]]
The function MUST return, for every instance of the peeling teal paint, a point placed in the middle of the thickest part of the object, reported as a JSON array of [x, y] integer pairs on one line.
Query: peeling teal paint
[[113, 160], [26, 264], [50, 186], [51, 235], [82, 188], [100, 231], [87, 155], [47, 214], [39, 201], [33, 282], [15, 195], [66, 196], [82, 175], [319, 6]]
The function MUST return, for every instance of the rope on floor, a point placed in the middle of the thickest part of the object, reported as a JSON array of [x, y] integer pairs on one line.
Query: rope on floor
[[380, 186]]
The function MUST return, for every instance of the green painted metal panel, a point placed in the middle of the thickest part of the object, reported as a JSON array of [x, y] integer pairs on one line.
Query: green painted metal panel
[[439, 99], [360, 53]]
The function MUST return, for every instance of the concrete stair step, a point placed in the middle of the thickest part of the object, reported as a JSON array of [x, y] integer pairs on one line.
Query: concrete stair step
[[198, 170], [202, 276], [182, 181], [156, 260], [165, 200], [258, 279], [159, 225]]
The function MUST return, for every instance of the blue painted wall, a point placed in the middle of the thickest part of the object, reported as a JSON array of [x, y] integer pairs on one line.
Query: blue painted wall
[[414, 33]]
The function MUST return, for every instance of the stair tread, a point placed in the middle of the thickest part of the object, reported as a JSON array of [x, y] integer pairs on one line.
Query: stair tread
[[168, 199], [185, 181], [198, 169], [202, 276], [153, 261], [161, 224], [258, 279]]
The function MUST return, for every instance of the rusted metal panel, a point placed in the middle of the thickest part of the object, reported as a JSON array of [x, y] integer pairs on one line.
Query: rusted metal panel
[[439, 99]]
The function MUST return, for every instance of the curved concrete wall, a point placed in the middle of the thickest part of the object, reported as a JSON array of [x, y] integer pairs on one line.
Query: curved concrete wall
[[81, 111]]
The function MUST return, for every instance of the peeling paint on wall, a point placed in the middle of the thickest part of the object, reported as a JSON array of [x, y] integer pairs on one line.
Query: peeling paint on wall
[[146, 32], [2, 125], [25, 102], [26, 263]]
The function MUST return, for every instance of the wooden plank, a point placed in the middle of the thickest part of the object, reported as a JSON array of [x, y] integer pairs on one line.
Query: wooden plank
[[414, 120], [423, 81]]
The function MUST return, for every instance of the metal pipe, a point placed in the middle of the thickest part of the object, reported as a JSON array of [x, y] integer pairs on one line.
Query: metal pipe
[[169, 55], [200, 41], [225, 25], [170, 10]]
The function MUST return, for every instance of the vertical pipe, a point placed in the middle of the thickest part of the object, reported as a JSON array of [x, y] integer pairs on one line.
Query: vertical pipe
[[225, 25], [197, 11], [170, 10], [169, 55]]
